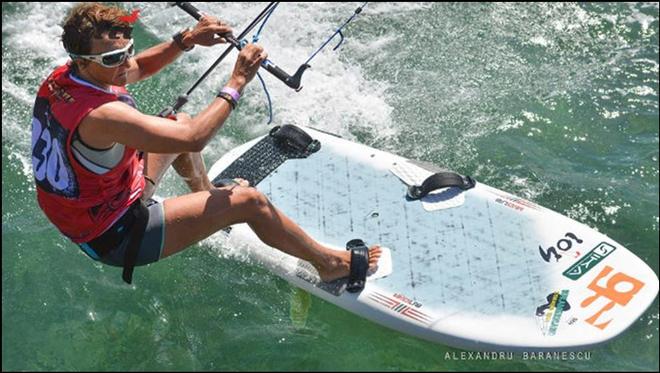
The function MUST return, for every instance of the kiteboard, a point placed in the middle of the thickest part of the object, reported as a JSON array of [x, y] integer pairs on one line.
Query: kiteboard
[[465, 264]]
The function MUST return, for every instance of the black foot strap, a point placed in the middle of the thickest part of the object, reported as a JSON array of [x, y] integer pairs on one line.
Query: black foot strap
[[438, 181], [359, 265]]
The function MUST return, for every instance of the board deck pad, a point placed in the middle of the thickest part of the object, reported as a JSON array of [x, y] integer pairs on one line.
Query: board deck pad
[[258, 162], [496, 272]]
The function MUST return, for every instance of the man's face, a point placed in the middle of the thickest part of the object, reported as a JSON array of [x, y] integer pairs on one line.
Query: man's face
[[110, 75]]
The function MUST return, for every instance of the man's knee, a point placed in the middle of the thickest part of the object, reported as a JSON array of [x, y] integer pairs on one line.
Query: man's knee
[[252, 200]]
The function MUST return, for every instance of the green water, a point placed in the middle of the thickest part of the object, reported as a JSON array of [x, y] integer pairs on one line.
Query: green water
[[557, 103]]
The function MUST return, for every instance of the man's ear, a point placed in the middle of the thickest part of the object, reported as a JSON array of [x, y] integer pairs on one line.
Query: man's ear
[[81, 63]]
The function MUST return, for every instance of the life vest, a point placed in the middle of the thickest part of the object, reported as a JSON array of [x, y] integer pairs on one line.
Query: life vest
[[80, 203]]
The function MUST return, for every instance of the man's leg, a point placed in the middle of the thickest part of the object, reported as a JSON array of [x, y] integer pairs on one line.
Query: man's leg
[[193, 217], [190, 166]]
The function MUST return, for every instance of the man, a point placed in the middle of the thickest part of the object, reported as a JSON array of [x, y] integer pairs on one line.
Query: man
[[97, 160]]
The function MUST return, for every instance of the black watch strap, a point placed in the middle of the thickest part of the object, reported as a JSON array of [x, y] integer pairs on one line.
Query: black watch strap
[[178, 39]]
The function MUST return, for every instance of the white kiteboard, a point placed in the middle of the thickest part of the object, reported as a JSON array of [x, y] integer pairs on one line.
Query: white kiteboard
[[478, 268]]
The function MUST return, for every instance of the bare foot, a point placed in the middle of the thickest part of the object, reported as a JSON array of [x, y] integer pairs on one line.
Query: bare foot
[[239, 181], [340, 264]]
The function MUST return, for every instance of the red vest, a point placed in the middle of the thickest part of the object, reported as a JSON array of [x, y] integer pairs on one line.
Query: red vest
[[80, 203]]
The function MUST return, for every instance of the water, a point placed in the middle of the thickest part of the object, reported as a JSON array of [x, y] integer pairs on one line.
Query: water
[[557, 103]]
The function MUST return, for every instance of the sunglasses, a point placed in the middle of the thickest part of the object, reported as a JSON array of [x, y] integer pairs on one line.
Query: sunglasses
[[109, 59]]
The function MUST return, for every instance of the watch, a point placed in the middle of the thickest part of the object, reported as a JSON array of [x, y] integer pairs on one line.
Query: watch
[[178, 39]]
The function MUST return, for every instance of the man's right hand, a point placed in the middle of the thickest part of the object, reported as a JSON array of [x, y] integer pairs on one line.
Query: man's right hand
[[247, 65]]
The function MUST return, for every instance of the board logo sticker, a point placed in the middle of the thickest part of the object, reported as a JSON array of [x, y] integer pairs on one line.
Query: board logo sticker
[[589, 261], [550, 313], [619, 289], [516, 203], [564, 245], [397, 304]]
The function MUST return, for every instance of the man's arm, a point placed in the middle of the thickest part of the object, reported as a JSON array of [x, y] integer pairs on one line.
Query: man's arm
[[155, 58], [117, 122]]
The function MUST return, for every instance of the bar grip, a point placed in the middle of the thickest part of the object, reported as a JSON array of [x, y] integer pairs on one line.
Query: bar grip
[[290, 81], [279, 73], [190, 9]]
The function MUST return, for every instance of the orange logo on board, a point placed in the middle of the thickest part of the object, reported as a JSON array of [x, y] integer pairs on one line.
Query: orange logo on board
[[619, 289]]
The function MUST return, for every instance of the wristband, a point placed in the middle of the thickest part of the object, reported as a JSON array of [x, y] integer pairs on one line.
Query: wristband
[[227, 97], [232, 92]]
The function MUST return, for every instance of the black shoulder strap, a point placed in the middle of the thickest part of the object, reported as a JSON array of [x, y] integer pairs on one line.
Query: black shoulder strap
[[440, 180]]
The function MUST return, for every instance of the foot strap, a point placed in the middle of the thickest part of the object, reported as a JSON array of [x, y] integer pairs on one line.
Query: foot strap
[[359, 265], [223, 182], [440, 180]]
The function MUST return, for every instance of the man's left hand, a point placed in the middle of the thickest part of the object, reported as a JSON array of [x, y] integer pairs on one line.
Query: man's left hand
[[205, 32]]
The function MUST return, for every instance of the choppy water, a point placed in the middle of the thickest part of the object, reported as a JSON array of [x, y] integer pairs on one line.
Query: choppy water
[[554, 102]]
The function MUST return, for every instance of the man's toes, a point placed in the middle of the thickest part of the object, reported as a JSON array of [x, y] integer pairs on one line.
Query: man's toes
[[374, 255]]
